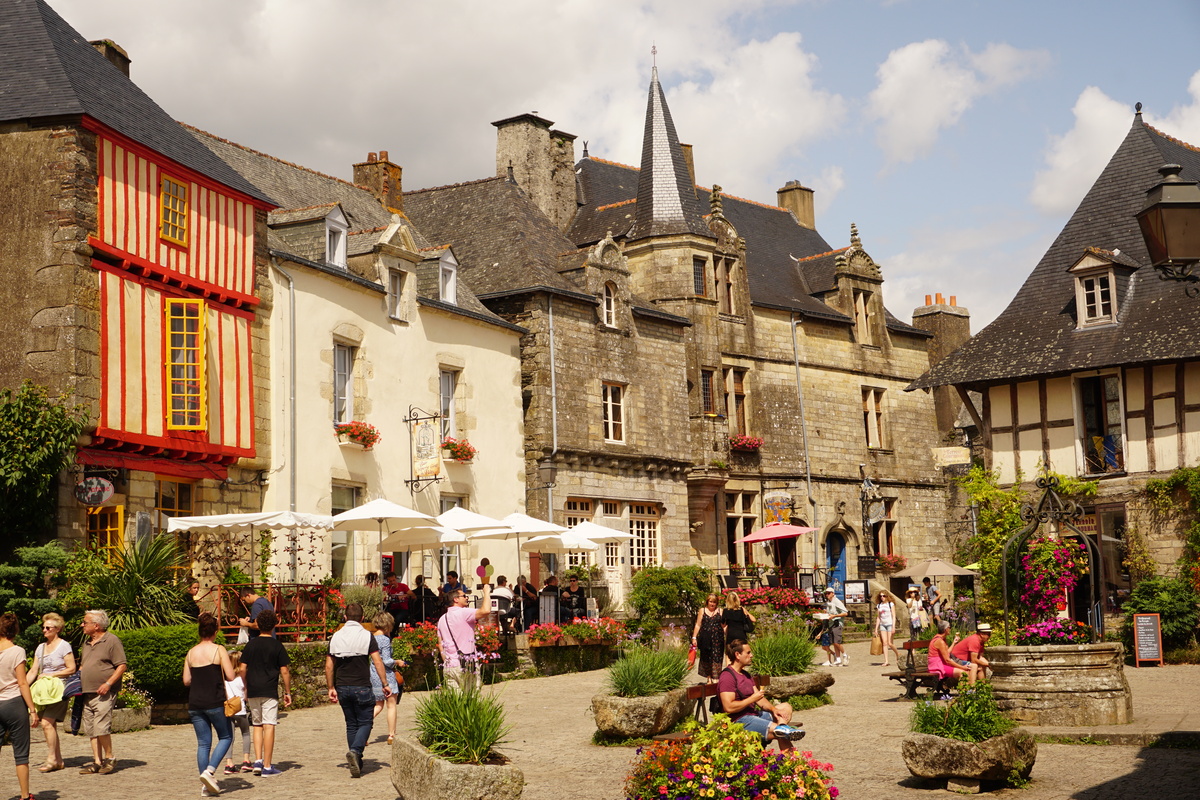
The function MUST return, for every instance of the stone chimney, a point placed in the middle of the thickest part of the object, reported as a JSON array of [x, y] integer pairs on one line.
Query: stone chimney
[[950, 325], [115, 54], [798, 199], [691, 164], [542, 162], [382, 178]]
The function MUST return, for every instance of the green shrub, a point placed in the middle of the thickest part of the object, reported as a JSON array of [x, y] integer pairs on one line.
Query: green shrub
[[972, 717], [138, 589], [807, 702], [369, 597], [1174, 600], [156, 656], [461, 726], [781, 654], [658, 592], [641, 672]]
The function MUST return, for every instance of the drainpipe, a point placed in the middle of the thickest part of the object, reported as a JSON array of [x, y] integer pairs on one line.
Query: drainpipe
[[812, 502], [553, 407], [291, 399]]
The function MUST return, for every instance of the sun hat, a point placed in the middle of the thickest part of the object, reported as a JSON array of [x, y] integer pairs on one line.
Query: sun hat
[[983, 627], [829, 590], [46, 691]]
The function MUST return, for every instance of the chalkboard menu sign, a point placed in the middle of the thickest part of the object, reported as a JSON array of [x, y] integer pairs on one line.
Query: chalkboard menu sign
[[866, 566], [1147, 639]]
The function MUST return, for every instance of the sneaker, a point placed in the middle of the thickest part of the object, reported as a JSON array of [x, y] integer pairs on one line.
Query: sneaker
[[210, 781], [826, 663], [789, 733], [257, 768], [247, 766], [355, 764], [845, 661], [204, 792], [270, 771], [231, 770]]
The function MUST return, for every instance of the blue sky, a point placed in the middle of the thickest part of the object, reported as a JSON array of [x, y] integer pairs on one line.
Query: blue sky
[[959, 136]]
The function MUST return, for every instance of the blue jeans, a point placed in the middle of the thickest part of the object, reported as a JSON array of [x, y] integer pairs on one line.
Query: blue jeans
[[205, 722], [358, 707]]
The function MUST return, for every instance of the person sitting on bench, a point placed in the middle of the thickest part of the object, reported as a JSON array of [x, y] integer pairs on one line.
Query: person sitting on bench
[[939, 662], [746, 704], [969, 652]]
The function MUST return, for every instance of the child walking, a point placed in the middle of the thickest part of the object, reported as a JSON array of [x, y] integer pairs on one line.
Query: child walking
[[240, 720]]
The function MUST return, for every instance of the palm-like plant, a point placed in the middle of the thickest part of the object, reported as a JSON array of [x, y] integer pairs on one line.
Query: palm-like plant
[[140, 588]]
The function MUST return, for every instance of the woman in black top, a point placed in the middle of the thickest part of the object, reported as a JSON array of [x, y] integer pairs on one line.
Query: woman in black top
[[739, 623], [528, 594], [205, 671], [423, 605]]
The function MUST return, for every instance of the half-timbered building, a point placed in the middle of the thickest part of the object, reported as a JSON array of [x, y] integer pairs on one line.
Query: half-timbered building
[[133, 261]]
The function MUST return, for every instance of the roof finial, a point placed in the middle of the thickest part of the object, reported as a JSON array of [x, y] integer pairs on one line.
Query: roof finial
[[585, 148], [653, 54], [714, 201], [854, 240], [1137, 108]]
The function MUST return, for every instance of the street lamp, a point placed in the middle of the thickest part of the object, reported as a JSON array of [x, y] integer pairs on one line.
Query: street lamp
[[547, 473], [1170, 223]]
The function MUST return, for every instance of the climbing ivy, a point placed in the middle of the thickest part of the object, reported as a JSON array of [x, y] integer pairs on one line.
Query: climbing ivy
[[1164, 495], [38, 434]]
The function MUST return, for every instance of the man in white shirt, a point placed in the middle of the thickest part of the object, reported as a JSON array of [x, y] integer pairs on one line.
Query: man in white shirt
[[834, 626], [507, 615]]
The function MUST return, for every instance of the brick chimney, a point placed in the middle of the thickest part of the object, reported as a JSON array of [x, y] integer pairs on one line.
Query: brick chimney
[[542, 161], [115, 54], [382, 178], [950, 325], [798, 199]]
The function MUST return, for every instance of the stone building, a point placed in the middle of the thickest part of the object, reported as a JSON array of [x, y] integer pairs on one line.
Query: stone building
[[372, 324], [673, 326], [1093, 369], [134, 265]]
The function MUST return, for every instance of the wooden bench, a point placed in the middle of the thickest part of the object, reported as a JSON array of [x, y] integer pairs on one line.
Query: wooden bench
[[912, 677], [700, 693]]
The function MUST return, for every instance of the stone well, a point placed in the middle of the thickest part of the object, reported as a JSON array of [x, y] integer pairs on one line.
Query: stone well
[[1071, 685]]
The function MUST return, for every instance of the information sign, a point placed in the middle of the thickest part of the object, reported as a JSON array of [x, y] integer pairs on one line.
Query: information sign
[[1147, 639], [856, 591], [866, 566]]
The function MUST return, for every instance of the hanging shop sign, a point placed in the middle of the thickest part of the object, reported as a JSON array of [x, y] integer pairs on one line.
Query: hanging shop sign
[[94, 491]]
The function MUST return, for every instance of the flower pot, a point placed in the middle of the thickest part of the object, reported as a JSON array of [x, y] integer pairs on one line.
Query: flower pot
[[417, 774], [639, 717], [1072, 685], [550, 643], [965, 764]]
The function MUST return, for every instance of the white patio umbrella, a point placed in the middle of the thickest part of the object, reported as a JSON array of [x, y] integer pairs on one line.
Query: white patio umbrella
[[599, 533], [389, 516], [517, 525], [565, 542], [421, 538], [464, 521], [260, 520]]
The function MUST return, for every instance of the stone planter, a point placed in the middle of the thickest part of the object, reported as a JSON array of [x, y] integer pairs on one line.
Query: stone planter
[[1072, 685], [130, 719], [639, 717], [965, 764], [786, 686], [419, 775]]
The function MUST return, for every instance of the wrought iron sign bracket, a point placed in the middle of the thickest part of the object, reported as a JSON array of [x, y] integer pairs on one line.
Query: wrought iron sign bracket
[[415, 484]]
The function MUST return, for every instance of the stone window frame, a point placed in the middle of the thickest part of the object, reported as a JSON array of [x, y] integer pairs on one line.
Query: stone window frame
[[397, 280], [741, 518], [355, 492], [862, 317], [699, 276], [883, 533], [345, 355], [708, 392], [613, 424], [337, 234], [723, 269], [645, 524], [608, 305], [874, 409], [449, 382], [448, 278], [737, 399]]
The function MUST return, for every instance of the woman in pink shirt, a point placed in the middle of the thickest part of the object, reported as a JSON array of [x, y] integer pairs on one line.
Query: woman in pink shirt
[[939, 662]]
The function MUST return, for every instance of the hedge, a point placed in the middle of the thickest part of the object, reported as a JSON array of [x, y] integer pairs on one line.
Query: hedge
[[156, 655]]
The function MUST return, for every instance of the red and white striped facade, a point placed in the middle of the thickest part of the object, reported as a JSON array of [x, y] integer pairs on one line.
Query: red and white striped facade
[[138, 272]]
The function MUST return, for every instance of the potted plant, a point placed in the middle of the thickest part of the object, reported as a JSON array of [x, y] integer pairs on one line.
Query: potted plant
[[645, 695], [459, 449], [745, 444], [448, 758], [133, 707], [727, 757], [357, 432], [543, 635], [967, 741], [887, 564]]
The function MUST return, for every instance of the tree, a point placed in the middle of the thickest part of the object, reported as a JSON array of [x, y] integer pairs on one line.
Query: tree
[[38, 434]]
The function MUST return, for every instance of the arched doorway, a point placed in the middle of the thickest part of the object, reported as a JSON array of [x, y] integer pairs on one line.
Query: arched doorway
[[835, 561]]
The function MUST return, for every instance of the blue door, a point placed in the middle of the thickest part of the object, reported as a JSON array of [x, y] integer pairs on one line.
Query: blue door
[[835, 552]]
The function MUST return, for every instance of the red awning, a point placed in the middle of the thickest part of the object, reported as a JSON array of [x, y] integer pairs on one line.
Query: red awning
[[777, 531]]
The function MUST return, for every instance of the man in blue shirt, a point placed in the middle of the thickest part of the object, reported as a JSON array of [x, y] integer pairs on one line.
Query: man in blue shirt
[[257, 605]]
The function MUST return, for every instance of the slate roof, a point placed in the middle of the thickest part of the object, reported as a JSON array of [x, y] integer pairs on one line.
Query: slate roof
[[49, 72], [306, 194], [666, 203], [1036, 334]]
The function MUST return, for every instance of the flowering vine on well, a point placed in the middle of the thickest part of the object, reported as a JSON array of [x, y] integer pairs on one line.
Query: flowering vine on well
[[1052, 567]]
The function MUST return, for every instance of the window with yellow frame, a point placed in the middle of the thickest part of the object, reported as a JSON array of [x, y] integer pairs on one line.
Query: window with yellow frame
[[173, 225], [186, 392], [106, 530]]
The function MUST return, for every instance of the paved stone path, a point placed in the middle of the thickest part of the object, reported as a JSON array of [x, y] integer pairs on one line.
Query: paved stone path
[[551, 742]]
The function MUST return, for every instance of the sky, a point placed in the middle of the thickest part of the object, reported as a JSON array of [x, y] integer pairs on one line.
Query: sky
[[958, 136]]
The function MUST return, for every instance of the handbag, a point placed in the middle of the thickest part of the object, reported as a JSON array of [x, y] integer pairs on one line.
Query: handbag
[[72, 685], [692, 657], [233, 705], [877, 645]]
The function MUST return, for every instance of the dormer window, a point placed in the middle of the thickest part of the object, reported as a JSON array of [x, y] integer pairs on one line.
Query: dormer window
[[335, 239], [1095, 299], [448, 279], [862, 317], [610, 305], [1096, 286]]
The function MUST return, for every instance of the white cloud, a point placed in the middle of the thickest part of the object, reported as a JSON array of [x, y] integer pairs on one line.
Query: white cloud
[[925, 87], [1182, 122], [826, 187], [1075, 159]]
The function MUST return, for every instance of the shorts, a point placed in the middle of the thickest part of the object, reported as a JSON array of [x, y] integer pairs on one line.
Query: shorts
[[56, 712], [14, 720], [835, 634], [825, 640], [889, 627], [263, 711], [960, 662], [757, 721], [98, 714]]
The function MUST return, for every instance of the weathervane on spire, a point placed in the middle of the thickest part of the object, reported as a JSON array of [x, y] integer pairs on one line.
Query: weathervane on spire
[[654, 54]]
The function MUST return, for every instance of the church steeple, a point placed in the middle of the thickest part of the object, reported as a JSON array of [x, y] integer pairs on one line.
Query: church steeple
[[666, 199]]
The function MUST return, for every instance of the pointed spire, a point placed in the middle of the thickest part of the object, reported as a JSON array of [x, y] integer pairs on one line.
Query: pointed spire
[[666, 199]]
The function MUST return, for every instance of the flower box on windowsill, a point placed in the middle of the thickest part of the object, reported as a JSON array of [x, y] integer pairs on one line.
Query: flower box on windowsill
[[348, 443], [358, 433], [459, 450], [745, 444]]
